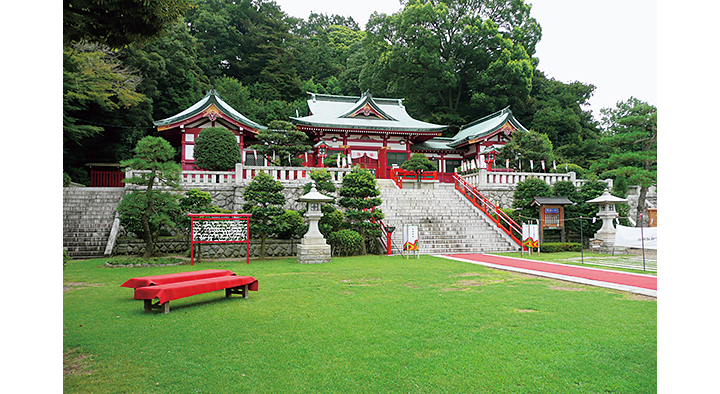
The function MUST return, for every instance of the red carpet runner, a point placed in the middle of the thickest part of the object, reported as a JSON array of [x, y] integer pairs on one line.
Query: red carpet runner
[[617, 277]]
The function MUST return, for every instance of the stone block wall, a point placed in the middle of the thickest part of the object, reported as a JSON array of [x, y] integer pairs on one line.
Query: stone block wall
[[273, 248]]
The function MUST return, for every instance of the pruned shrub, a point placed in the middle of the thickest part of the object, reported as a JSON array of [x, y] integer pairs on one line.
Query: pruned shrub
[[345, 243], [556, 247]]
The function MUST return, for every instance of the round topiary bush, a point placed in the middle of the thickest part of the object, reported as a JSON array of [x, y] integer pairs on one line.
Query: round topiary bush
[[216, 149], [345, 243]]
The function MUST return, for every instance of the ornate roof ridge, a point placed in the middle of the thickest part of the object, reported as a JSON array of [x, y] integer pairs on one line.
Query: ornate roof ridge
[[487, 117]]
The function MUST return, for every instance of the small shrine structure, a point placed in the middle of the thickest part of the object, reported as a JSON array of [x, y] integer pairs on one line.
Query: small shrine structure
[[552, 214], [182, 129]]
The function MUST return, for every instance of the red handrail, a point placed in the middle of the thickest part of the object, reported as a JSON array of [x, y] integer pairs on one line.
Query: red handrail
[[385, 240], [500, 218]]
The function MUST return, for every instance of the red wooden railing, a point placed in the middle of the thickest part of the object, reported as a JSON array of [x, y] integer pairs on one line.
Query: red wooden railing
[[386, 238], [105, 178], [500, 218], [398, 174]]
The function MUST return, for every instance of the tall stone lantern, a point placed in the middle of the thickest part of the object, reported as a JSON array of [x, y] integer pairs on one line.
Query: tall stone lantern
[[607, 213], [313, 248]]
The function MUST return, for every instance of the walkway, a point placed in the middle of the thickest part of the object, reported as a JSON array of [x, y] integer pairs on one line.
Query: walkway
[[625, 281]]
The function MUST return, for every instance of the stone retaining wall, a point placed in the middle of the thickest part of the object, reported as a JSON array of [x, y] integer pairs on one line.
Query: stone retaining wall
[[273, 248]]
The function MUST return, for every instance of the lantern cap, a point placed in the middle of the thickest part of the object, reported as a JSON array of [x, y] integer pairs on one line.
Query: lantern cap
[[314, 196], [606, 197]]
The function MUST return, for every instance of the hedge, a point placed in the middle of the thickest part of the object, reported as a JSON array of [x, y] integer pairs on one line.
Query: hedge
[[555, 247]]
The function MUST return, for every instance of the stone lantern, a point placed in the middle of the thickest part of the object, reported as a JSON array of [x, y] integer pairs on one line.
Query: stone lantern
[[607, 213], [313, 248]]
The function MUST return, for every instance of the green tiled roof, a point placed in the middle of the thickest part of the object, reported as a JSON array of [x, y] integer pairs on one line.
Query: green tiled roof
[[435, 144], [334, 112], [210, 98], [485, 126]]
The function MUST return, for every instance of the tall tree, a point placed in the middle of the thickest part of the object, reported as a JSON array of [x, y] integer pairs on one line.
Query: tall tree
[[118, 23], [103, 114], [525, 147], [155, 166], [630, 129], [264, 201], [281, 143], [249, 40], [171, 75], [558, 110], [454, 60], [360, 197]]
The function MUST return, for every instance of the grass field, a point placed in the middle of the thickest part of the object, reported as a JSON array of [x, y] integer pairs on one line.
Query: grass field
[[365, 324]]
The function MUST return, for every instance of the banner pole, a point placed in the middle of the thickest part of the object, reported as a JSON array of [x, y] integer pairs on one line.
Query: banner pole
[[582, 242], [642, 239]]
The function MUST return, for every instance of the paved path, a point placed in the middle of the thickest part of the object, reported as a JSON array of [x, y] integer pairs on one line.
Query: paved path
[[625, 281]]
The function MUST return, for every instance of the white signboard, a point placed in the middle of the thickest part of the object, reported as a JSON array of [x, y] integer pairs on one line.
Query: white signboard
[[531, 235], [636, 237], [411, 240], [410, 237]]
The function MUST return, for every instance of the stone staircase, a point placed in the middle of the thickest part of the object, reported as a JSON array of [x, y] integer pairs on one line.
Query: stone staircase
[[448, 223], [88, 214]]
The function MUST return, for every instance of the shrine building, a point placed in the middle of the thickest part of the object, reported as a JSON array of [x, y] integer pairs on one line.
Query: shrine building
[[379, 134], [211, 111], [375, 133]]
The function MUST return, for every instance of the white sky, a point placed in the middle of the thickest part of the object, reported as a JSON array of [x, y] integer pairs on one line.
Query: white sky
[[611, 44]]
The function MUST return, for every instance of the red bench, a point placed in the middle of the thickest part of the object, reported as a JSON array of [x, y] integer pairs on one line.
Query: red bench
[[174, 288], [172, 278]]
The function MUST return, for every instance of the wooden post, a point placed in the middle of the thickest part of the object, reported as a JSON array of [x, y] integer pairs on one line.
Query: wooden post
[[166, 307]]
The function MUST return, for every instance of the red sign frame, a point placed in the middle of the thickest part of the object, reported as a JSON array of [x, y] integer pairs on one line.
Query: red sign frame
[[194, 217]]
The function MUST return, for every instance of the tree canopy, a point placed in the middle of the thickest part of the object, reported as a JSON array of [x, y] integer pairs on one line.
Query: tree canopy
[[129, 62]]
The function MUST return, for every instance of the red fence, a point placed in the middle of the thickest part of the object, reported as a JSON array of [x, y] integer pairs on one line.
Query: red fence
[[398, 175], [106, 178]]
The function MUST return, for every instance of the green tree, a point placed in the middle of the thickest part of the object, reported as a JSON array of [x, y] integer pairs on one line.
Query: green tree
[[630, 129], [281, 143], [152, 166], [418, 163], [103, 114], [264, 201], [170, 70], [526, 146], [454, 59], [524, 194], [360, 197], [195, 201], [216, 149], [248, 40], [118, 23]]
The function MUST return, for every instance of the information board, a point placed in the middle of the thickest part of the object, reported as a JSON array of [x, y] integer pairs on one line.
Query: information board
[[411, 241], [214, 228]]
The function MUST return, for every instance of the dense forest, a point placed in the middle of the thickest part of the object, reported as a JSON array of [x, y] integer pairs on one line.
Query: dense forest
[[128, 62]]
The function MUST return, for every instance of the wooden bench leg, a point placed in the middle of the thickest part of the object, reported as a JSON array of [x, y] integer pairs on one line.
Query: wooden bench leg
[[242, 290], [166, 307], [148, 305]]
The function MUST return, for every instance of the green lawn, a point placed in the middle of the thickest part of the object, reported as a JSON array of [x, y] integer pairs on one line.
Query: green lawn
[[362, 324]]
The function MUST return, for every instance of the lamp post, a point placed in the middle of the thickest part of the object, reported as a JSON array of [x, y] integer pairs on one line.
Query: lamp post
[[313, 248]]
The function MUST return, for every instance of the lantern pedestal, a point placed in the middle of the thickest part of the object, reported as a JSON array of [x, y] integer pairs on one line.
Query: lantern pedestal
[[313, 249], [605, 237]]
